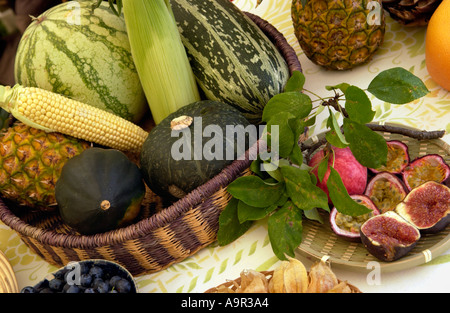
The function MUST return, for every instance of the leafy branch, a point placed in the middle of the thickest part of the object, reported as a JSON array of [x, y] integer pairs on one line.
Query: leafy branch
[[283, 188]]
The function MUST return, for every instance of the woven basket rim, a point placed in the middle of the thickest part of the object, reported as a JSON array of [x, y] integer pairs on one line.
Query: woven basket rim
[[170, 213]]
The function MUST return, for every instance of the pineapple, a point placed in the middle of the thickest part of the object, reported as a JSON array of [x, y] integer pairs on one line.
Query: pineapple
[[30, 163], [338, 34]]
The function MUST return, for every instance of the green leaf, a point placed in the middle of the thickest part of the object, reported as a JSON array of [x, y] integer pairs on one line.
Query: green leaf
[[285, 230], [358, 105], [285, 136], [250, 213], [398, 86], [296, 155], [296, 103], [313, 215], [343, 87], [303, 193], [368, 147], [255, 167], [295, 82], [322, 168], [340, 197], [229, 226], [255, 192], [335, 136]]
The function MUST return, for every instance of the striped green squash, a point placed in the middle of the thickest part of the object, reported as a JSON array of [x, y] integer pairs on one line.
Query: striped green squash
[[233, 61], [84, 55]]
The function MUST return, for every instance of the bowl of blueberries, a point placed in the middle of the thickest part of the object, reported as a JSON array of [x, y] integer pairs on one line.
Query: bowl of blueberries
[[89, 276]]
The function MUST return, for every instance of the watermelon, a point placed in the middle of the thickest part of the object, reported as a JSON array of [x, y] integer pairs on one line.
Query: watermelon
[[84, 55]]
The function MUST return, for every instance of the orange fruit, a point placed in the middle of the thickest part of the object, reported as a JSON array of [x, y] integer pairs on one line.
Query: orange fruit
[[437, 45]]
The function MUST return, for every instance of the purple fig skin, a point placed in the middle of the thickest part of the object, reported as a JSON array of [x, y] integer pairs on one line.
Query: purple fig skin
[[438, 159], [386, 251], [428, 198]]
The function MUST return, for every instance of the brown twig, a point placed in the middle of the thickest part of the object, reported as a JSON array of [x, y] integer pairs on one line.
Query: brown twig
[[416, 134], [309, 148]]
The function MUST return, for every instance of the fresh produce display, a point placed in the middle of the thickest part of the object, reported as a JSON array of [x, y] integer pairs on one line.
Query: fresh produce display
[[427, 207], [175, 158], [77, 151], [397, 158], [353, 174], [388, 236], [84, 55], [90, 276], [337, 34], [99, 190], [51, 112], [386, 190], [347, 226], [426, 168], [291, 193], [233, 61], [290, 276], [31, 161]]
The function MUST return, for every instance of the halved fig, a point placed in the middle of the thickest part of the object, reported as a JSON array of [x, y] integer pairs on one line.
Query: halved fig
[[346, 226], [431, 167], [386, 190], [388, 236], [397, 158], [427, 207]]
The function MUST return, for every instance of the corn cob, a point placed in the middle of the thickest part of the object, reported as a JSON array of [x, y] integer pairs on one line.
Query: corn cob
[[51, 112]]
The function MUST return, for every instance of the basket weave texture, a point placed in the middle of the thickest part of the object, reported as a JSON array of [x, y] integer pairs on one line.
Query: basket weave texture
[[165, 233]]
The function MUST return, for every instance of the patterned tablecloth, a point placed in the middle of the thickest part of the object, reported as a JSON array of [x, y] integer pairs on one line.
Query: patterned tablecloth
[[404, 47]]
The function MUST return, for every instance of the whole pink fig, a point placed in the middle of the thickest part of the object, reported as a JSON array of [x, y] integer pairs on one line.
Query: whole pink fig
[[353, 174]]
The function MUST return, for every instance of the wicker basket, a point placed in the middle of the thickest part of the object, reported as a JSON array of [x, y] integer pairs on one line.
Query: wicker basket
[[232, 284], [165, 233]]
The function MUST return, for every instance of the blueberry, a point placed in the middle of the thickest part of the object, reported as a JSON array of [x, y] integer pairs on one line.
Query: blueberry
[[56, 284], [46, 290], [96, 282], [73, 289], [114, 280], [123, 286], [96, 272], [89, 290], [85, 280], [102, 287], [28, 289]]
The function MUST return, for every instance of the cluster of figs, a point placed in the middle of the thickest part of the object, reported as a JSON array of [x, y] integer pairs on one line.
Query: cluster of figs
[[407, 199]]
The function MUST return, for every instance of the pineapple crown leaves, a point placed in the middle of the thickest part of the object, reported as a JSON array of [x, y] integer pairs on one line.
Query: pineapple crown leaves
[[284, 190]]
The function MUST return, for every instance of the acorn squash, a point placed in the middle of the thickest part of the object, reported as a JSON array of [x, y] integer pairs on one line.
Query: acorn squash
[[99, 190], [192, 145]]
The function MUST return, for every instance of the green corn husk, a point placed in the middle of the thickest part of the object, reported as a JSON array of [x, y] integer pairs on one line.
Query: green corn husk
[[160, 57]]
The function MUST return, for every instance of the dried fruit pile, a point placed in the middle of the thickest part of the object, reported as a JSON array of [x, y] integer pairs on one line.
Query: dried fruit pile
[[289, 277], [411, 197]]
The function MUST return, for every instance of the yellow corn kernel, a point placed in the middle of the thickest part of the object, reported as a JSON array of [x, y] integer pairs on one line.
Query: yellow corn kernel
[[52, 112]]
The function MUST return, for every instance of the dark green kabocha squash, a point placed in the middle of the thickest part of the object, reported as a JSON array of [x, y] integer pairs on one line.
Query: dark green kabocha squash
[[99, 190], [192, 145]]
